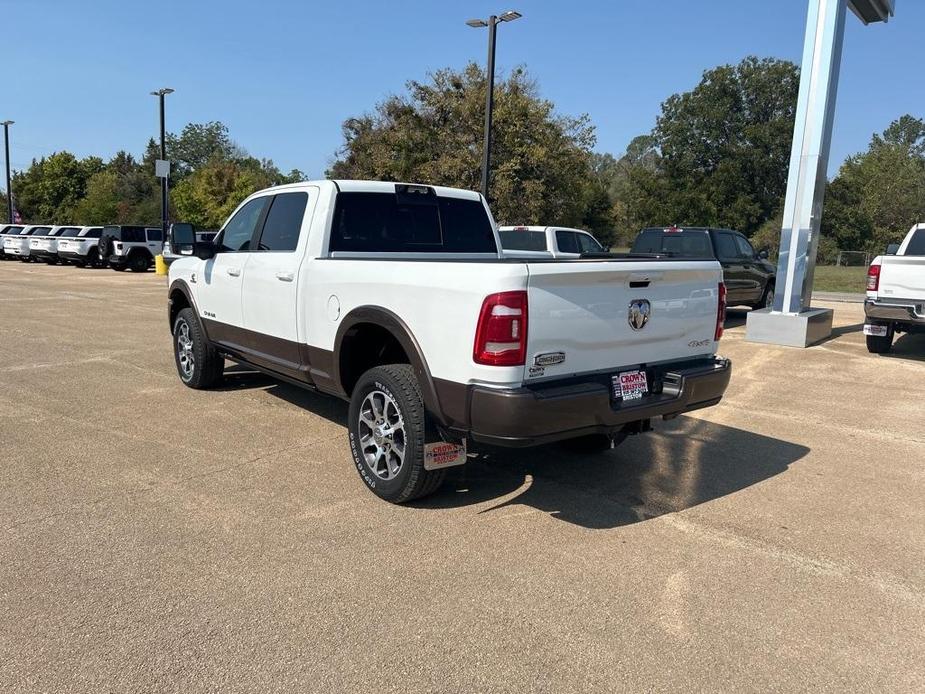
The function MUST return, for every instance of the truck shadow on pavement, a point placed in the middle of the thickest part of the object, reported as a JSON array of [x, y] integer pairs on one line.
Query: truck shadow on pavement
[[908, 347], [683, 463]]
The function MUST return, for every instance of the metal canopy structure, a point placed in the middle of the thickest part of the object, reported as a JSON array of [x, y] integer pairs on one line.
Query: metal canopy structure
[[792, 321]]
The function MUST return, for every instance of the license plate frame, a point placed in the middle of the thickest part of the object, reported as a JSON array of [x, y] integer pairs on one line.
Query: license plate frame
[[876, 330], [629, 386]]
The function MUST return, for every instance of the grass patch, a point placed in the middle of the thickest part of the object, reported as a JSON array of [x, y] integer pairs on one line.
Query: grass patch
[[829, 278]]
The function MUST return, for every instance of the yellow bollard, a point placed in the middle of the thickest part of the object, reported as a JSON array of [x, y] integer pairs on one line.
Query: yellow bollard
[[160, 267]]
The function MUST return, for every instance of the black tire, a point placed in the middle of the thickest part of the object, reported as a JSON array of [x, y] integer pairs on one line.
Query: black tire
[[877, 344], [93, 259], [207, 366], [411, 480], [119, 268], [767, 297], [139, 262]]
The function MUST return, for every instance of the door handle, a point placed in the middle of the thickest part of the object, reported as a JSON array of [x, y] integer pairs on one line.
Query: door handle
[[233, 271], [284, 276]]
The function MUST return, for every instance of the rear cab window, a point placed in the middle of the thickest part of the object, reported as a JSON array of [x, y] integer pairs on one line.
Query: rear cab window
[[522, 239], [681, 243], [916, 244], [413, 219]]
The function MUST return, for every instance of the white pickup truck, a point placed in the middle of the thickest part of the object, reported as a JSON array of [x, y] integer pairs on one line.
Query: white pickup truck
[[896, 292], [549, 242], [396, 298]]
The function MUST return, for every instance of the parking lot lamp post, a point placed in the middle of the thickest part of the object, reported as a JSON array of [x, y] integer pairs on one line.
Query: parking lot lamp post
[[6, 149], [160, 94], [491, 23]]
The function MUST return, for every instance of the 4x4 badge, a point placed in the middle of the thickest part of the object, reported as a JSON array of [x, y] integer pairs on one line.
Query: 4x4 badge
[[639, 312]]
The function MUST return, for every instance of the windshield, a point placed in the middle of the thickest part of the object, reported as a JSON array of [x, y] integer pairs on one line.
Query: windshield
[[681, 243], [411, 220], [523, 240]]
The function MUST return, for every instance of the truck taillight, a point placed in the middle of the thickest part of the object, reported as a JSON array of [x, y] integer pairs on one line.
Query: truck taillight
[[720, 312], [873, 278], [501, 334]]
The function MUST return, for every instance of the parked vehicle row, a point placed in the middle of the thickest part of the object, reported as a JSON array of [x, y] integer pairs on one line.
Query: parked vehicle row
[[121, 247]]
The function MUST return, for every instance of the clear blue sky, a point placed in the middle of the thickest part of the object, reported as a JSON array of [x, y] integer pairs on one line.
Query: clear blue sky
[[284, 75]]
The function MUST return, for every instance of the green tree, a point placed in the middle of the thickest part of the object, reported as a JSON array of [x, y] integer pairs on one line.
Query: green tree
[[718, 154], [878, 194], [48, 191], [433, 134], [196, 145]]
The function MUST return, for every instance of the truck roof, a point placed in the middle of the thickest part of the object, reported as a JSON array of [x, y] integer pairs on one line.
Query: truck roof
[[352, 186]]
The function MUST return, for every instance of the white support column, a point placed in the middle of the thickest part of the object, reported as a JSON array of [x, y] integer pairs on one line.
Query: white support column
[[792, 321]]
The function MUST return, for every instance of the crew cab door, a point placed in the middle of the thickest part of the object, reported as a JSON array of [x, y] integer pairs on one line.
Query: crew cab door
[[219, 285], [735, 274], [754, 275], [271, 280]]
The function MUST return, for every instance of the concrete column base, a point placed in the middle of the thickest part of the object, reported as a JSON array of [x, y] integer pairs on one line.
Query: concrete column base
[[789, 329]]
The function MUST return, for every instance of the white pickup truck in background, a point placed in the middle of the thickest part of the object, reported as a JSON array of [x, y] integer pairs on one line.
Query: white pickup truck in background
[[396, 298], [547, 242], [896, 292]]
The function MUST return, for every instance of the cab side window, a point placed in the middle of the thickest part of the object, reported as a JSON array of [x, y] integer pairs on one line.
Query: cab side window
[[588, 244], [745, 248], [284, 222], [155, 235], [239, 231], [726, 247], [567, 242]]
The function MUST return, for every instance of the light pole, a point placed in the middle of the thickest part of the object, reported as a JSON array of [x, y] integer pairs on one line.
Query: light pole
[[6, 148], [491, 23], [160, 94]]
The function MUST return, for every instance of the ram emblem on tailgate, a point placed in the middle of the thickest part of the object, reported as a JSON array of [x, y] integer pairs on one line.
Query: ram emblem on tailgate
[[639, 313]]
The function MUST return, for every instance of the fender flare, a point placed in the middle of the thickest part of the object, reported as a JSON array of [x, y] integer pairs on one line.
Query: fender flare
[[397, 328], [181, 286]]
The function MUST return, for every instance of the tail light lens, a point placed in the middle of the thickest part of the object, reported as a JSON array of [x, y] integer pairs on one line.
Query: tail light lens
[[720, 312], [873, 278], [501, 334]]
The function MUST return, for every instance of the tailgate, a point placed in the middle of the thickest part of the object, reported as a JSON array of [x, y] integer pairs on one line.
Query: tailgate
[[590, 312], [902, 277]]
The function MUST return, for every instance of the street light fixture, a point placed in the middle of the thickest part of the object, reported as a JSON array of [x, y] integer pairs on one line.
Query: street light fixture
[[160, 94], [6, 147], [491, 23]]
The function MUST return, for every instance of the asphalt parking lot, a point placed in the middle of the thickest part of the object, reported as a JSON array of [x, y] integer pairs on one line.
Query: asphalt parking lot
[[156, 538]]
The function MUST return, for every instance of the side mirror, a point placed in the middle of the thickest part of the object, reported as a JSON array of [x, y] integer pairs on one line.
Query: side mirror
[[892, 249], [182, 238], [763, 254]]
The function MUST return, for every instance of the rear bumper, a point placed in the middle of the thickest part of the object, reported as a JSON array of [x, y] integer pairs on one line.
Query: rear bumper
[[39, 253], [534, 415], [898, 310], [71, 255], [116, 260]]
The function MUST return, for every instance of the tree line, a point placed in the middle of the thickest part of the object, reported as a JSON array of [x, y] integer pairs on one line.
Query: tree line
[[717, 155]]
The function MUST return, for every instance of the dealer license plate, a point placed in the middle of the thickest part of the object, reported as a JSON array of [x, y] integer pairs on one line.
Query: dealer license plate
[[877, 330], [443, 454], [629, 385]]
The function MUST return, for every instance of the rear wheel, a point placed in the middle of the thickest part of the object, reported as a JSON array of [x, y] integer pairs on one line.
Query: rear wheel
[[387, 425], [880, 344], [199, 364], [93, 259], [767, 297], [139, 262]]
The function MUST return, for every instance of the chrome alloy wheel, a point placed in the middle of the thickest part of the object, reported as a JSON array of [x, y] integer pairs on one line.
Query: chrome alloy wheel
[[185, 351], [382, 434]]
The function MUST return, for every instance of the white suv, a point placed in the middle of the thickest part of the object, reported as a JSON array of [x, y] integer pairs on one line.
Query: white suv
[[17, 245], [130, 247], [45, 246], [9, 230], [79, 247]]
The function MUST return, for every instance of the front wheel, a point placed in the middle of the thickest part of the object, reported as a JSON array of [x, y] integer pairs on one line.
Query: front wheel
[[387, 426], [199, 364]]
